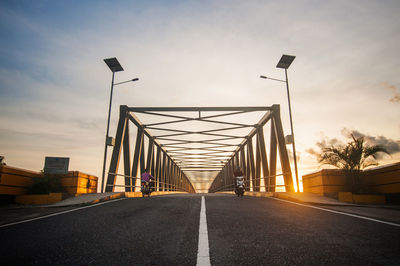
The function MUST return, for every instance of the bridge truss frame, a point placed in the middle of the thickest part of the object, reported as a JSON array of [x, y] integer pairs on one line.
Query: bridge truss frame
[[169, 162]]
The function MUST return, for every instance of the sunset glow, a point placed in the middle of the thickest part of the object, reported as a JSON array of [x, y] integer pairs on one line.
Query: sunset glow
[[54, 85]]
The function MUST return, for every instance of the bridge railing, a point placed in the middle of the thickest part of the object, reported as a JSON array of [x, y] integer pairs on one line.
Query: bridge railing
[[253, 161], [158, 185]]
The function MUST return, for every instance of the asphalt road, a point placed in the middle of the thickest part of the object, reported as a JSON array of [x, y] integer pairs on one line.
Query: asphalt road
[[265, 231], [164, 231]]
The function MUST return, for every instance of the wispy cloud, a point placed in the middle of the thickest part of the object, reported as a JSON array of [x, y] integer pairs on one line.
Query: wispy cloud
[[396, 97]]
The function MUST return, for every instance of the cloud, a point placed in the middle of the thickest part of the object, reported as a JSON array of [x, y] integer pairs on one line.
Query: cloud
[[312, 152], [325, 142], [328, 142], [391, 145], [396, 97]]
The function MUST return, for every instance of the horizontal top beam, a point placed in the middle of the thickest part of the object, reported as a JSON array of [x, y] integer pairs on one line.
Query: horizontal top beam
[[200, 109]]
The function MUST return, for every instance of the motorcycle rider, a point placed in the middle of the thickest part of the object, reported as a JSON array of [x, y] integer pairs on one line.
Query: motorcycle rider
[[147, 178]]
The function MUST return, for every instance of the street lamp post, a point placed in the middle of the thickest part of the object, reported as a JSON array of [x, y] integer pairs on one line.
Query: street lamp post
[[285, 62], [114, 66]]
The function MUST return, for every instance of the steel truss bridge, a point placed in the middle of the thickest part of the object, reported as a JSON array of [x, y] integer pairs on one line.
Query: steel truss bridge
[[178, 149]]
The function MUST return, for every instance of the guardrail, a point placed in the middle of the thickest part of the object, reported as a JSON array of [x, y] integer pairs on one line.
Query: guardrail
[[158, 185]]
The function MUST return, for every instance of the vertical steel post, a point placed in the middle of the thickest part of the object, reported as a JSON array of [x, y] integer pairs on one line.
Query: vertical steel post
[[157, 172], [108, 127], [127, 160], [291, 127], [251, 162], [258, 164], [175, 172], [137, 157], [167, 181], [243, 160], [149, 161], [236, 159], [228, 174], [224, 177], [164, 171], [283, 154], [264, 160], [248, 172], [142, 159], [113, 169], [272, 159], [153, 160]]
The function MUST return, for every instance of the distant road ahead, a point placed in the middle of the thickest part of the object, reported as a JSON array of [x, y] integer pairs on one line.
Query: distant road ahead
[[164, 231]]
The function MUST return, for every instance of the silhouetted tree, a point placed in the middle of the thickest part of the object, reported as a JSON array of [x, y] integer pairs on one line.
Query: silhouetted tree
[[352, 159]]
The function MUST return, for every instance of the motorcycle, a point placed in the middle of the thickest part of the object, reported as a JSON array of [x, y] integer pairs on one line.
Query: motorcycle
[[146, 189], [239, 190]]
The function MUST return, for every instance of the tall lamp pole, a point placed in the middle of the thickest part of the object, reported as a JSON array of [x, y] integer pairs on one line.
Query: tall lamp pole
[[114, 66], [285, 62]]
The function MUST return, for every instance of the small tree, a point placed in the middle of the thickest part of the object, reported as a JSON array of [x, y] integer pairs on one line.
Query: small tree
[[47, 184], [352, 158]]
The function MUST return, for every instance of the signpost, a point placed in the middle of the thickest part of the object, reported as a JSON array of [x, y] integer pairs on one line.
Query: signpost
[[56, 165]]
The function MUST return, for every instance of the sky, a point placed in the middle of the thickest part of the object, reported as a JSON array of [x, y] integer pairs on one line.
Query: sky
[[55, 87]]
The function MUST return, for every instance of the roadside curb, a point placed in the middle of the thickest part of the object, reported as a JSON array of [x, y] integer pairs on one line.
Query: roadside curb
[[113, 197]]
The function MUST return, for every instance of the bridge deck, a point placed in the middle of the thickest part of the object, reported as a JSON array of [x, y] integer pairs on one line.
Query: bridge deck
[[164, 230]]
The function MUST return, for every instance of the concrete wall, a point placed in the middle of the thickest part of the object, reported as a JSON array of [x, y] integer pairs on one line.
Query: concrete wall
[[383, 180], [76, 182], [39, 199], [379, 180], [325, 182], [15, 181]]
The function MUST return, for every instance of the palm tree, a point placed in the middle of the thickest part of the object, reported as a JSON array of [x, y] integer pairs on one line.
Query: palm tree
[[352, 158]]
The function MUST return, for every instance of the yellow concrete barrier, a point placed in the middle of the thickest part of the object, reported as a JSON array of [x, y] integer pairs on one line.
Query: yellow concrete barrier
[[380, 180], [259, 194], [324, 182], [384, 179], [155, 193], [39, 199], [250, 193], [345, 197], [76, 182], [361, 198], [15, 181], [133, 194], [369, 199]]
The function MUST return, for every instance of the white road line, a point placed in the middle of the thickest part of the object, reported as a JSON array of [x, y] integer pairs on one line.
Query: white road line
[[339, 212], [58, 213], [203, 251]]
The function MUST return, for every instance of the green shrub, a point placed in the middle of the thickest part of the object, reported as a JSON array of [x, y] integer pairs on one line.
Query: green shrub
[[45, 185]]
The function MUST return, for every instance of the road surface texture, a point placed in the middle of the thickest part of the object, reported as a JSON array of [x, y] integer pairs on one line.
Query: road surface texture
[[266, 231], [164, 231], [144, 231]]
